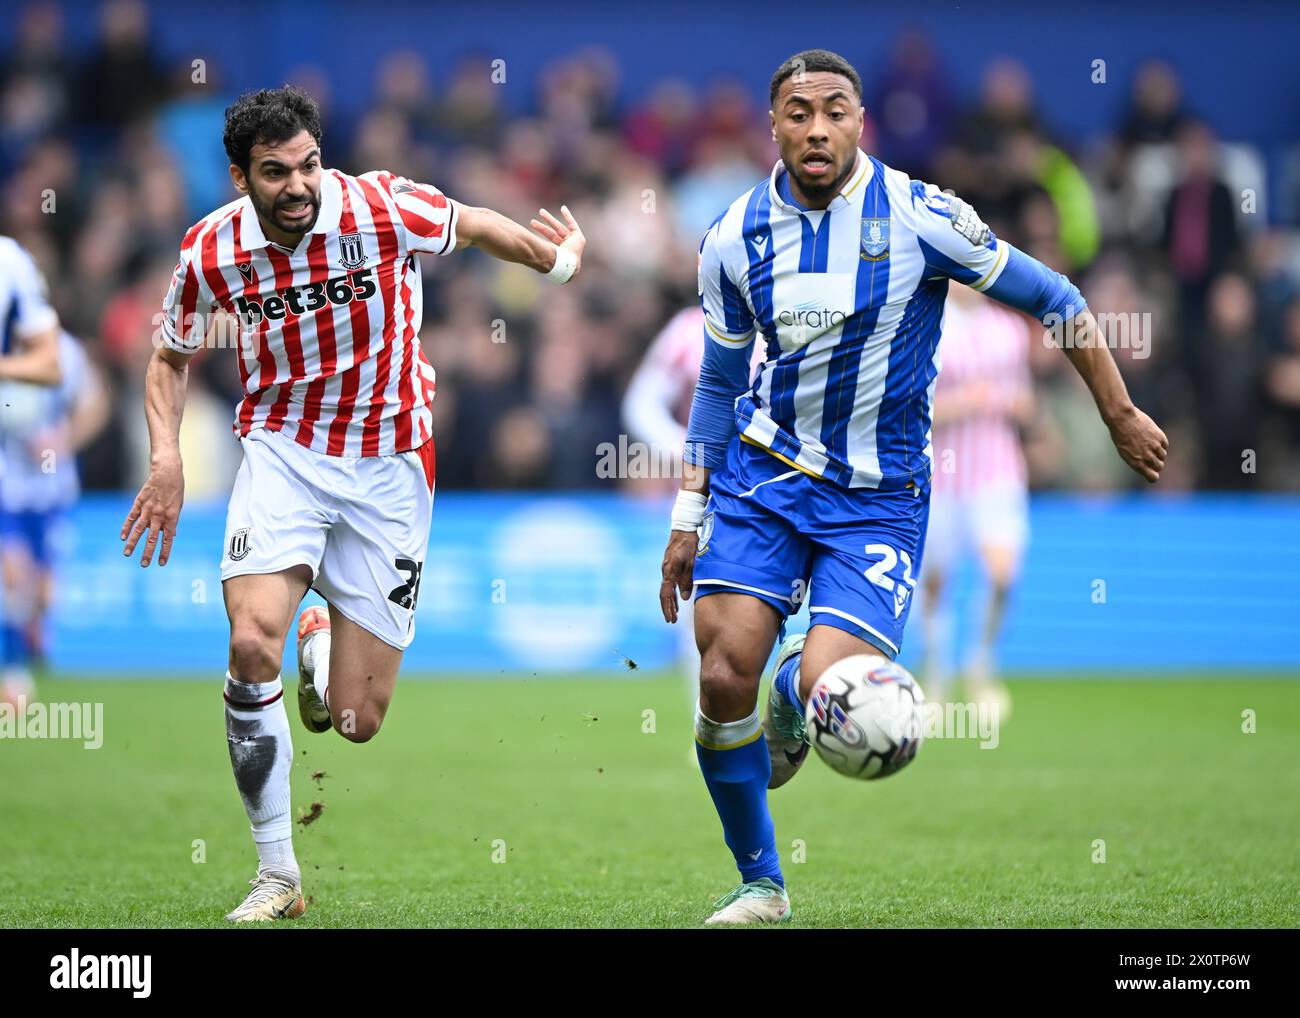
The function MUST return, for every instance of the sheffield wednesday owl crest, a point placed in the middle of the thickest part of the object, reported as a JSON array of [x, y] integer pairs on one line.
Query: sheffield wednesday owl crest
[[875, 239]]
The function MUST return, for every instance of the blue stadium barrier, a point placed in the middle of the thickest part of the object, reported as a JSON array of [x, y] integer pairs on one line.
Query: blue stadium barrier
[[521, 584]]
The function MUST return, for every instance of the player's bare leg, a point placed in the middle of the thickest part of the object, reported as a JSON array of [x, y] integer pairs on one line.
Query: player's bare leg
[[825, 646], [40, 613], [1001, 565], [936, 630], [735, 633], [261, 608], [362, 674], [16, 570]]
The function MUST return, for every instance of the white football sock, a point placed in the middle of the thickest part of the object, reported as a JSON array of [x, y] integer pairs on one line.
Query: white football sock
[[261, 754], [275, 852], [316, 657]]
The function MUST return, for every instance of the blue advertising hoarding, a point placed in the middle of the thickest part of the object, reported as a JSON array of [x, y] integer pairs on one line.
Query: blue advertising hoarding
[[522, 584]]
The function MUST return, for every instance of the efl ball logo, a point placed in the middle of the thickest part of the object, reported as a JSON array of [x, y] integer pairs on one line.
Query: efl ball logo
[[836, 719], [865, 717]]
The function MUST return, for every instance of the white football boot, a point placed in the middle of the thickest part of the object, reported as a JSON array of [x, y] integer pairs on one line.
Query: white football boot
[[315, 715], [760, 901], [783, 725], [274, 896]]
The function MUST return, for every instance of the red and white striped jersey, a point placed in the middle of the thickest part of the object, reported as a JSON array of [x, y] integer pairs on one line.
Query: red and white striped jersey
[[986, 347], [329, 349]]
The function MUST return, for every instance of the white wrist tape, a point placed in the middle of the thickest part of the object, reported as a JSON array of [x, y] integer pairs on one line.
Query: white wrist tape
[[566, 264], [688, 511]]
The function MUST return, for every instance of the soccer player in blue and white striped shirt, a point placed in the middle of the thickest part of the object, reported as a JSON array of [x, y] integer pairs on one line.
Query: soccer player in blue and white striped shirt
[[42, 427], [817, 476], [29, 369]]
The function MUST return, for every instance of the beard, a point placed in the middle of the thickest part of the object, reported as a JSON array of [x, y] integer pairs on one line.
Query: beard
[[271, 211], [819, 189]]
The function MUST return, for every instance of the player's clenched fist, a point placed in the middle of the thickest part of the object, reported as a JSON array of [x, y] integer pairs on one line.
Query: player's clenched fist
[[1140, 443], [678, 569], [156, 510]]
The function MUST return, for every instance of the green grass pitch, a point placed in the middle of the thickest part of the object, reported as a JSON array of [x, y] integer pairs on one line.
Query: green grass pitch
[[603, 824]]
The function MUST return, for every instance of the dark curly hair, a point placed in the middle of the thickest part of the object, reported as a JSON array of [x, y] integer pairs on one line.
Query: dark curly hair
[[810, 61], [268, 117]]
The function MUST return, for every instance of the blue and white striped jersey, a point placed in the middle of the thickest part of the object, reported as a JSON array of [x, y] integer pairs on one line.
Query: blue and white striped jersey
[[34, 425], [25, 312], [849, 303], [24, 308]]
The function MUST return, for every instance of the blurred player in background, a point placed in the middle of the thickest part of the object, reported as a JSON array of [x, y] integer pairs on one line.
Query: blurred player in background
[[816, 477], [29, 369], [320, 270], [45, 428], [655, 411], [979, 496]]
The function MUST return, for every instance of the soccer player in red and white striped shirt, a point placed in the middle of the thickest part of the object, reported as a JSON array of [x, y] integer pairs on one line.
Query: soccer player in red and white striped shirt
[[320, 271], [978, 502]]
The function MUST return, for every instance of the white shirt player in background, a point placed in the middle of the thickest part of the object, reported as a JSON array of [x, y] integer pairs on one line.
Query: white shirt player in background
[[655, 411], [29, 356], [44, 429], [320, 269], [658, 399], [978, 500]]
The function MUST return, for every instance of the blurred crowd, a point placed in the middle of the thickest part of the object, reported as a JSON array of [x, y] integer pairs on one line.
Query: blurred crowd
[[107, 156]]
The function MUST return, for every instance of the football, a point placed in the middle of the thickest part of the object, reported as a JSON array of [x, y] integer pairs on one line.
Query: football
[[866, 716]]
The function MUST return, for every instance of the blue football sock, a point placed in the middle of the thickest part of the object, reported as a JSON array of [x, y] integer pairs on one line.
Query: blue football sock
[[736, 767], [787, 681]]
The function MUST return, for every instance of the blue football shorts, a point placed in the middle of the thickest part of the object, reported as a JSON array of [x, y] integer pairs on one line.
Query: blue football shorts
[[38, 531], [788, 538]]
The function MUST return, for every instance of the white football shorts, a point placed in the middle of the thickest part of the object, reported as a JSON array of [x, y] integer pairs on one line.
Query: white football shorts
[[361, 524], [994, 517]]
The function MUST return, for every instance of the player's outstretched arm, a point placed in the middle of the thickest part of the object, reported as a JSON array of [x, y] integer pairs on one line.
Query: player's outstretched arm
[[1138, 439], [555, 249], [157, 507], [960, 246], [1029, 285]]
